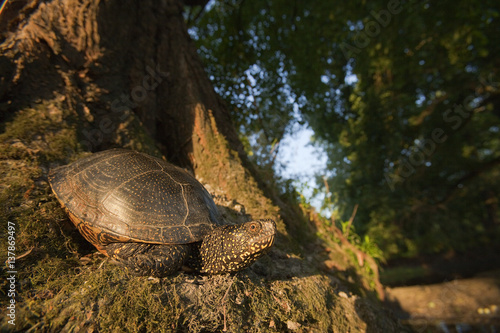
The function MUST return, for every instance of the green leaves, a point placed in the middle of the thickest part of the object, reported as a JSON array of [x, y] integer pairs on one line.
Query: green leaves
[[403, 97]]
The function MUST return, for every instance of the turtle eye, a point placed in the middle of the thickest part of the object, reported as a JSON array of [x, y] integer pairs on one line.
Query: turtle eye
[[254, 227]]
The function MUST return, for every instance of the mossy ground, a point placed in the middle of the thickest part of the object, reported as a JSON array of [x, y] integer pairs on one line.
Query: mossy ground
[[63, 284]]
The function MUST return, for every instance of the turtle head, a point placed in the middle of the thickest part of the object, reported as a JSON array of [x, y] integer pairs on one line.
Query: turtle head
[[234, 247]]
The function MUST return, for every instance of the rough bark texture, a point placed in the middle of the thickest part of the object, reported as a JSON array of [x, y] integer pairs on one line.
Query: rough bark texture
[[83, 76]]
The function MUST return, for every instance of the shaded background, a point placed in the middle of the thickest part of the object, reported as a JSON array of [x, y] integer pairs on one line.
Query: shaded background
[[402, 99]]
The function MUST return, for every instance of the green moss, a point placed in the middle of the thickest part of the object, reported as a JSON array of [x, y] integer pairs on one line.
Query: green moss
[[63, 285], [34, 134]]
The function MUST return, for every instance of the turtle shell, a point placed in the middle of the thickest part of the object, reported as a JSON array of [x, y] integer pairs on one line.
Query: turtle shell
[[121, 195]]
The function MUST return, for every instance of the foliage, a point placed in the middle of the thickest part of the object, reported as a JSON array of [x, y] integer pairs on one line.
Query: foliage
[[403, 96], [365, 244]]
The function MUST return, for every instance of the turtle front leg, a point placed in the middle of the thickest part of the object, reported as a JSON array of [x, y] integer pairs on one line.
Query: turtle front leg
[[148, 259]]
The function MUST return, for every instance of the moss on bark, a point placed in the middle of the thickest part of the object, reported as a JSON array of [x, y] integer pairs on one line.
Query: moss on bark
[[61, 102], [64, 284]]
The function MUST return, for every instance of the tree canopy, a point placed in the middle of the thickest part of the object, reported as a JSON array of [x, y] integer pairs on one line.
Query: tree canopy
[[402, 95]]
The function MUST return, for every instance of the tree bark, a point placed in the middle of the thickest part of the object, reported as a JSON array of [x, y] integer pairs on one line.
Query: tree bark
[[110, 59], [89, 75]]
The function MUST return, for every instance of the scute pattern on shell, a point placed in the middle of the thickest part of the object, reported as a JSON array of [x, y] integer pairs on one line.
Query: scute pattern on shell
[[130, 195]]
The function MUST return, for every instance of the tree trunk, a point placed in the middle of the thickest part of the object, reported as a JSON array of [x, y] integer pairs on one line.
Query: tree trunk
[[89, 75]]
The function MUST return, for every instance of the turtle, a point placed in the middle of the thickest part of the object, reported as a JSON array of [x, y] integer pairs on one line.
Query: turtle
[[153, 217]]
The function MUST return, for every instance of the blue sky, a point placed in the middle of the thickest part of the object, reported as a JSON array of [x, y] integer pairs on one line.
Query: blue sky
[[301, 160]]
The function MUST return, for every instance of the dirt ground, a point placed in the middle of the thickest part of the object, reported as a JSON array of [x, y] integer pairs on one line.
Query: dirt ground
[[465, 305]]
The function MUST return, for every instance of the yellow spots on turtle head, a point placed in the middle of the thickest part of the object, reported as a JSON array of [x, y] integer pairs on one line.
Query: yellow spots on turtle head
[[232, 248]]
